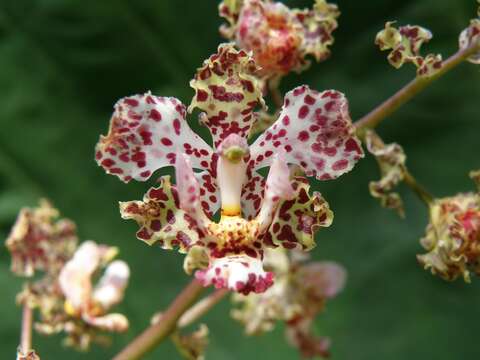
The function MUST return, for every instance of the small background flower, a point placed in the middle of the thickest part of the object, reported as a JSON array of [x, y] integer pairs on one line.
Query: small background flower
[[42, 244]]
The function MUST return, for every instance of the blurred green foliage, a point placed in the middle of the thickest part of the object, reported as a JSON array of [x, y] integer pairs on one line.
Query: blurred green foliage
[[64, 63]]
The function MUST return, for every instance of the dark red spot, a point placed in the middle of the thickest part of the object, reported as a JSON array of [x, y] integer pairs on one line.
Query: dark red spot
[[107, 163], [131, 102], [166, 141], [202, 95], [157, 194], [310, 100], [303, 112], [340, 165], [330, 105], [144, 234], [155, 225], [176, 126], [155, 115], [303, 135], [330, 151], [352, 145]]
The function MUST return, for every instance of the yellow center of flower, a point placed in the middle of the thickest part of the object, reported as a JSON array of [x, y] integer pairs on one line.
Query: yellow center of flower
[[234, 231]]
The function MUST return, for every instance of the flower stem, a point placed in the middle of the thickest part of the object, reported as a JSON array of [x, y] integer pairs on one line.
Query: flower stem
[[377, 115], [422, 193], [26, 331], [201, 307], [154, 334]]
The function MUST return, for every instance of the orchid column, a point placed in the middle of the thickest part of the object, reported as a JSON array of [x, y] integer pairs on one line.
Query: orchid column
[[147, 132]]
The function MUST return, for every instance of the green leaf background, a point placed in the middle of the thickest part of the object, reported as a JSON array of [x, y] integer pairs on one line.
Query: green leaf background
[[64, 63]]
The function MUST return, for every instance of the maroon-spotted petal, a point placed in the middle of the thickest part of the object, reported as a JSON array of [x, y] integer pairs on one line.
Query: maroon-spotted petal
[[160, 218], [252, 194], [296, 221], [227, 90], [145, 133], [316, 133], [209, 193]]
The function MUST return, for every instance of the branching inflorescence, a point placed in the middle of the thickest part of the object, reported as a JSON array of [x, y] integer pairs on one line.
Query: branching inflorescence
[[64, 295], [257, 246]]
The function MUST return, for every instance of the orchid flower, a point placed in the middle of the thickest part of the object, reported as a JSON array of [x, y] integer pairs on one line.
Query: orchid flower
[[40, 241], [64, 295], [148, 132], [405, 44], [299, 294], [453, 235], [279, 37], [469, 36], [90, 304], [391, 161]]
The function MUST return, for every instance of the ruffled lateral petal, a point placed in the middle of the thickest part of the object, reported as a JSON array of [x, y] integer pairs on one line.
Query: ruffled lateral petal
[[318, 26], [405, 43], [227, 90], [111, 287], [295, 221], [40, 241], [145, 133], [468, 37], [391, 161], [109, 322], [160, 218], [240, 273], [252, 194], [316, 133]]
